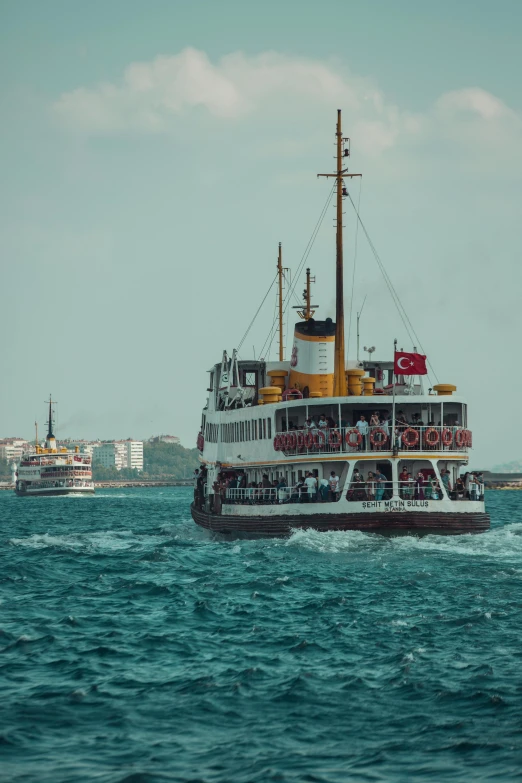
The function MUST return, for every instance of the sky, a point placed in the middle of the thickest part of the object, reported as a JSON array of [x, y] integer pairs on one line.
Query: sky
[[154, 153]]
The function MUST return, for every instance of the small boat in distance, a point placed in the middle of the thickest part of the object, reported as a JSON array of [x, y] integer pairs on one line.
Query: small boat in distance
[[52, 471], [317, 442]]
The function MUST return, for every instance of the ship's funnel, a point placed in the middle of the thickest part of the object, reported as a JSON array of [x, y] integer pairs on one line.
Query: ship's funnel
[[312, 361]]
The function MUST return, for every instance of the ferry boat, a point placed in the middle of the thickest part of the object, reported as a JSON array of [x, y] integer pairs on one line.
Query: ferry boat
[[318, 442], [52, 471]]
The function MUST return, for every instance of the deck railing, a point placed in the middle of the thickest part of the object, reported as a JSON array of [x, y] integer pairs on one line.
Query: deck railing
[[368, 489], [410, 438]]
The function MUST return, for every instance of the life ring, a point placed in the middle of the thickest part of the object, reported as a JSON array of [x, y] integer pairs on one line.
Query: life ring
[[309, 440], [319, 439], [460, 438], [348, 438], [447, 437], [277, 443], [431, 437], [382, 441], [410, 441], [334, 439], [469, 439], [200, 442], [294, 394], [290, 440], [300, 439]]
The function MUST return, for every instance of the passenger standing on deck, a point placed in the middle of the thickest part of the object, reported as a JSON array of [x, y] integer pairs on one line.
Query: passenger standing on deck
[[322, 423], [380, 485], [403, 482], [333, 482], [445, 476], [419, 486], [370, 485], [311, 485], [362, 426], [324, 489]]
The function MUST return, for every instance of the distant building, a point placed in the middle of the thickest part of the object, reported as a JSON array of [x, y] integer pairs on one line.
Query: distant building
[[11, 449], [119, 454], [134, 454], [84, 446], [164, 439]]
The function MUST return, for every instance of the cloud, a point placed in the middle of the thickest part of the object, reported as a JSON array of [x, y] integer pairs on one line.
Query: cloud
[[157, 96], [152, 96]]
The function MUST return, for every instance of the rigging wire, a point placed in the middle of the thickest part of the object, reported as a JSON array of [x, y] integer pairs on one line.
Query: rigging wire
[[256, 314], [306, 253], [310, 244], [353, 272], [395, 296]]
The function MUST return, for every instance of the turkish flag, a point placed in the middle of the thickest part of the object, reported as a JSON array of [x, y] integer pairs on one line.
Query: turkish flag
[[409, 364]]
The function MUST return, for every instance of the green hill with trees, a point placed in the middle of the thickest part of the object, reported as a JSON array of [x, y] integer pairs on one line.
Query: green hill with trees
[[161, 462]]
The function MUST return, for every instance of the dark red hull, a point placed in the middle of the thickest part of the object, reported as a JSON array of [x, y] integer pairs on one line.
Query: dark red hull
[[394, 523]]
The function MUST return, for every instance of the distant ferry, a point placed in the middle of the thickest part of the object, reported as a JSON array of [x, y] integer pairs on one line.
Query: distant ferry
[[52, 471], [315, 442]]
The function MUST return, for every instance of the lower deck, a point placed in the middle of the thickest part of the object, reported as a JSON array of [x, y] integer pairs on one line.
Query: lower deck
[[384, 522]]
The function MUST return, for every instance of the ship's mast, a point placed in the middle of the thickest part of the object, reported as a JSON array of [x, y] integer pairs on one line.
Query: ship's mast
[[307, 296], [36, 436], [50, 433], [280, 280], [339, 388]]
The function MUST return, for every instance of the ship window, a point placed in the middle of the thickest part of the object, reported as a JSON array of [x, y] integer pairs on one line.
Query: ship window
[[250, 379], [269, 421], [260, 429], [264, 428]]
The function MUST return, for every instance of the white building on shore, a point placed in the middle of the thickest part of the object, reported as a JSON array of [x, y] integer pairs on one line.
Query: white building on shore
[[11, 449], [119, 454]]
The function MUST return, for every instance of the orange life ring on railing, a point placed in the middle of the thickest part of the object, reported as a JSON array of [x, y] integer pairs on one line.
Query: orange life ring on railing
[[414, 440], [294, 394], [277, 443], [308, 440], [319, 439], [469, 439], [447, 437], [290, 440], [358, 436], [300, 439], [431, 437], [334, 439], [378, 443], [460, 438]]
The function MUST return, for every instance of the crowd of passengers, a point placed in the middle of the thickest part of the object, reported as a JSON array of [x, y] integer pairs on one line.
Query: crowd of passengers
[[382, 420], [308, 489], [233, 488]]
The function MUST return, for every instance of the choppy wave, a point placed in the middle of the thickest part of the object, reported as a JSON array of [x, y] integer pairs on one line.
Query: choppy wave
[[135, 647]]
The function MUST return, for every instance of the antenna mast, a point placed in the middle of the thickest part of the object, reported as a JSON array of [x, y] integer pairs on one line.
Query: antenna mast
[[50, 430], [280, 277], [343, 151]]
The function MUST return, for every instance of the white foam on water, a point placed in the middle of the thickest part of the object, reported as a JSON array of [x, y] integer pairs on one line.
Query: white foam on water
[[103, 540], [44, 540], [504, 542], [335, 541], [236, 549]]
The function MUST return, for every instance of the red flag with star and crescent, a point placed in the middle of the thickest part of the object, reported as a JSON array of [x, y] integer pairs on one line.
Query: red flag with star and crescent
[[409, 364]]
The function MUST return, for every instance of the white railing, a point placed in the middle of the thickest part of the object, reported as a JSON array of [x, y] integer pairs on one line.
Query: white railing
[[376, 439], [272, 495], [367, 489]]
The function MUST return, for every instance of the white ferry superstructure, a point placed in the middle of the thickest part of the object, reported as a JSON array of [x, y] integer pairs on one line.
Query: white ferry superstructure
[[50, 470], [269, 428]]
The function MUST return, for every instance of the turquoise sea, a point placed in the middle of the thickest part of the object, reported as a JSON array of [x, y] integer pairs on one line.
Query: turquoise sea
[[135, 648]]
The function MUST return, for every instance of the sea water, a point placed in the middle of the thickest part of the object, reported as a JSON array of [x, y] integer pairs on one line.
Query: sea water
[[137, 648]]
